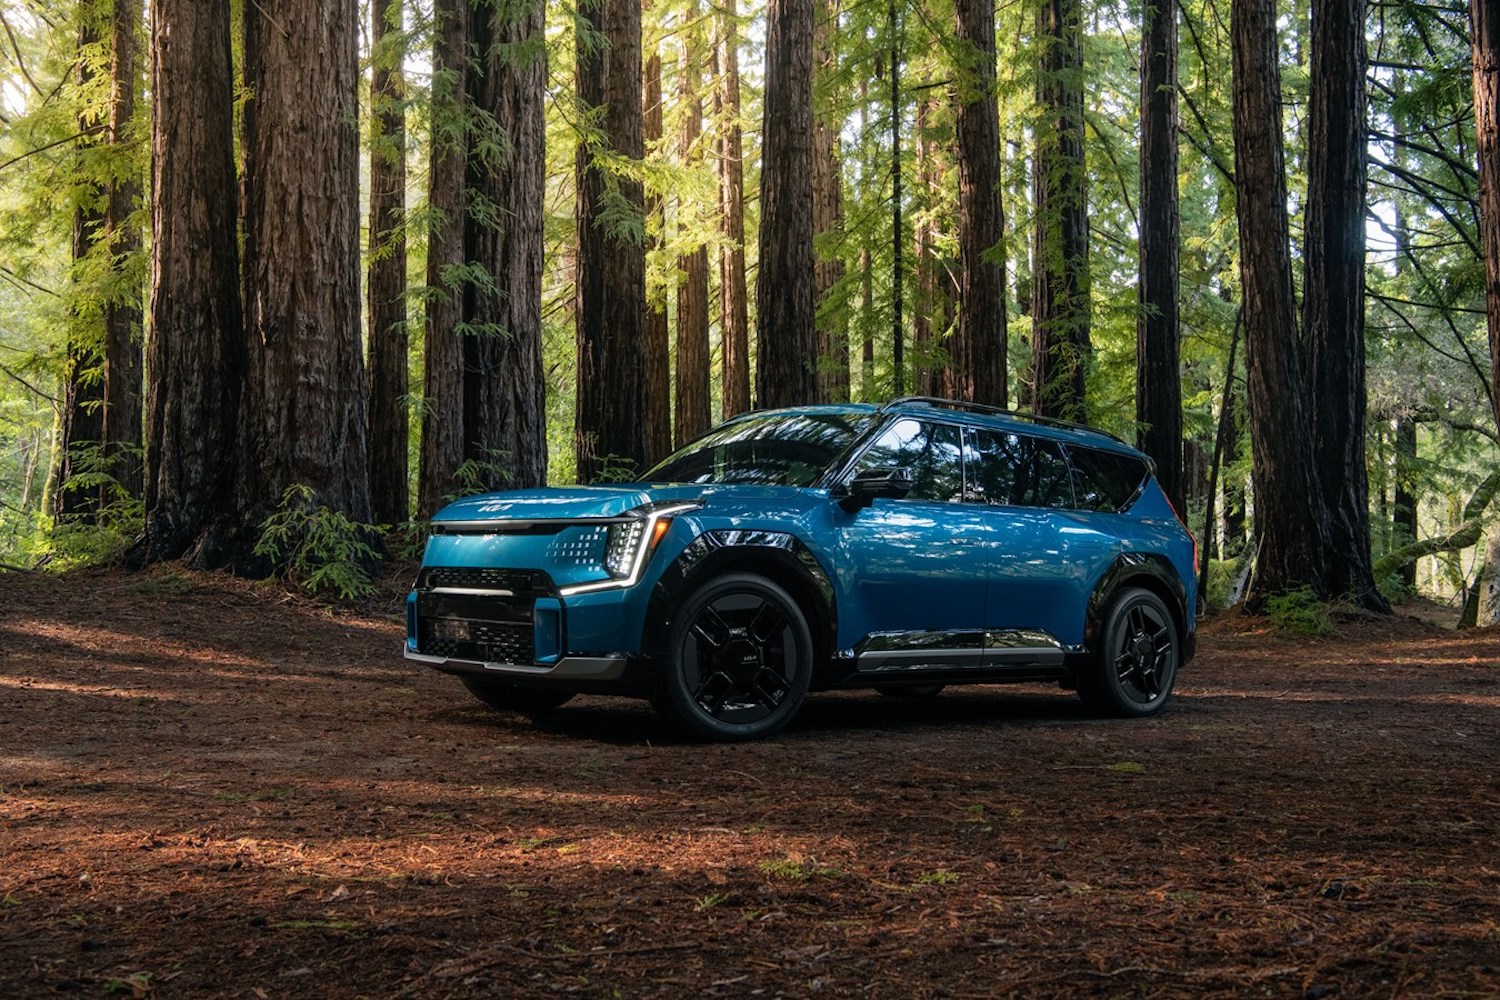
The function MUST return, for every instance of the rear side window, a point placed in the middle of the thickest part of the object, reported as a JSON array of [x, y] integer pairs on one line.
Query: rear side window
[[1103, 480], [1016, 470], [932, 453]]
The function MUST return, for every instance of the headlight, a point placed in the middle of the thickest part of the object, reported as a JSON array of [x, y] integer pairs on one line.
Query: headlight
[[630, 544], [623, 546]]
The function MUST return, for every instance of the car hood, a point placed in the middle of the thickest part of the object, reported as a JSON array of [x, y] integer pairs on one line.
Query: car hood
[[570, 502]]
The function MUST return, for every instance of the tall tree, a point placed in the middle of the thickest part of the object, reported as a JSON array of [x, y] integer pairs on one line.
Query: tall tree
[[123, 369], [694, 407], [734, 309], [658, 337], [1158, 386], [611, 311], [386, 426], [828, 212], [1333, 293], [303, 419], [443, 358], [980, 346], [505, 432], [786, 369], [197, 351], [1289, 511], [1060, 312], [1485, 30]]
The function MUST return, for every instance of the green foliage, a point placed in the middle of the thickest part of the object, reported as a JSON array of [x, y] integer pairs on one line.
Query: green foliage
[[319, 547], [1299, 611]]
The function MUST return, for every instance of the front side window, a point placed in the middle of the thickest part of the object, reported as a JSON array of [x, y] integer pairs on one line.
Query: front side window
[[932, 453], [1017, 470], [783, 449]]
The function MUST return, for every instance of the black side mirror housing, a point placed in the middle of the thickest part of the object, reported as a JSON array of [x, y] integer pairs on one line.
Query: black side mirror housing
[[872, 484]]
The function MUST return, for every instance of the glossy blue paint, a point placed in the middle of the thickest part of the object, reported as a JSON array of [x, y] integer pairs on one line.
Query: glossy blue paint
[[897, 565]]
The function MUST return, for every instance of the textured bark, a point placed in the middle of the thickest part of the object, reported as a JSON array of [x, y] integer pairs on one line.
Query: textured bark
[[196, 349], [505, 431], [867, 324], [694, 408], [1060, 281], [1289, 512], [1333, 300], [1485, 22], [658, 337], [734, 306], [123, 369], [1404, 512], [828, 222], [1158, 386], [925, 323], [786, 339], [303, 421], [443, 359], [386, 427], [979, 362], [610, 426]]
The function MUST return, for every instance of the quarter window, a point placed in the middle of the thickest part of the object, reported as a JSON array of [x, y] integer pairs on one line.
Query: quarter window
[[932, 453], [1016, 470], [1103, 480]]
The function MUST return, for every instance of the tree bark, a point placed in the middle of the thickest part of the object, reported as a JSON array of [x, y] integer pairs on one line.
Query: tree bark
[[694, 408], [505, 412], [980, 365], [197, 349], [1289, 512], [786, 371], [733, 298], [443, 350], [1060, 311], [658, 337], [303, 422], [828, 219], [1485, 24], [1404, 513], [1158, 388], [926, 324], [610, 426], [387, 428], [123, 369]]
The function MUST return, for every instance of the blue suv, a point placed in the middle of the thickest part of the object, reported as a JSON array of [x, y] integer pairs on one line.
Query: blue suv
[[903, 548]]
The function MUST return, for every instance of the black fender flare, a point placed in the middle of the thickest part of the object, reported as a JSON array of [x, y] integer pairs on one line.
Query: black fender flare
[[1139, 569], [779, 555]]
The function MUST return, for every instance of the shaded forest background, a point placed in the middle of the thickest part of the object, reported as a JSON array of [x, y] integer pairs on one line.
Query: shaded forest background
[[279, 278]]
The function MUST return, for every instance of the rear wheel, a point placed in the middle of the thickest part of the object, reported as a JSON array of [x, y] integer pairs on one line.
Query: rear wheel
[[503, 697], [1137, 661], [738, 660]]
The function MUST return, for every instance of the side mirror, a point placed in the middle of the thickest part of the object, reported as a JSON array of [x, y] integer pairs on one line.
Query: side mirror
[[871, 484]]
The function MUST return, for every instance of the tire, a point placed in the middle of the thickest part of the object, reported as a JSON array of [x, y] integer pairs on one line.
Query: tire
[[739, 657], [1136, 664], [503, 697], [921, 691]]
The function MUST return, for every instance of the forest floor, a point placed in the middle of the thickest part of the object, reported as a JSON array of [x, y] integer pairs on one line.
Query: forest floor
[[210, 787]]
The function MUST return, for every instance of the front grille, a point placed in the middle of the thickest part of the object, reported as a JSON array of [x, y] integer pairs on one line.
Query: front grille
[[492, 642], [520, 582]]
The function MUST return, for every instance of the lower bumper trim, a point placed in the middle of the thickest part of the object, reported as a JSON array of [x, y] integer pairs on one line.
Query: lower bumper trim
[[569, 668]]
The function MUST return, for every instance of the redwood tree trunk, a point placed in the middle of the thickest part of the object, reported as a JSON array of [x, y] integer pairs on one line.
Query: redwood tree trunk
[[1333, 300], [443, 357], [658, 337], [505, 432], [694, 409], [610, 427], [734, 309], [1289, 513], [1485, 21], [1060, 282], [828, 217], [122, 312], [304, 416], [1158, 386], [1404, 513], [786, 369], [197, 350], [386, 279], [980, 349]]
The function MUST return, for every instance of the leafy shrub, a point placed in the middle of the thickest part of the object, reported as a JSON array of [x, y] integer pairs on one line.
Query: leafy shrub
[[319, 547], [1300, 611]]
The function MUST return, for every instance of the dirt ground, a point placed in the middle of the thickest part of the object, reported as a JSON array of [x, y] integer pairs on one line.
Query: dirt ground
[[212, 788]]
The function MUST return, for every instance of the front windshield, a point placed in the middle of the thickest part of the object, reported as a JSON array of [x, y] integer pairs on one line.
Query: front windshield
[[782, 449]]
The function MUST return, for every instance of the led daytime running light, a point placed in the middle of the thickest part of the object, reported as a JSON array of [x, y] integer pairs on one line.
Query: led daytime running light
[[630, 545]]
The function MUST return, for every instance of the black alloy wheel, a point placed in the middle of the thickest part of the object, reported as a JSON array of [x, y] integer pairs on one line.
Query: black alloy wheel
[[738, 660], [1138, 657], [503, 697]]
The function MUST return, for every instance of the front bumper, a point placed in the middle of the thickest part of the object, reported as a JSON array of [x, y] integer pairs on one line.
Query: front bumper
[[568, 668]]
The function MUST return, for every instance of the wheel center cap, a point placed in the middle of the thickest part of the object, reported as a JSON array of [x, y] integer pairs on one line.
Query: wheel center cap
[[1143, 649], [742, 654]]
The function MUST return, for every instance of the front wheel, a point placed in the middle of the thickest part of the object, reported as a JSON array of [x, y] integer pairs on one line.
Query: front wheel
[[503, 697], [1136, 664], [739, 658]]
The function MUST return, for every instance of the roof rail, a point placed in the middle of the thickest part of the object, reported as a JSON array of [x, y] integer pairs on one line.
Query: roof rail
[[958, 404]]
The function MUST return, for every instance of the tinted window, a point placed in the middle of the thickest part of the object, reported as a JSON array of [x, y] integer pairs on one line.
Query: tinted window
[[1017, 471], [1103, 480], [786, 449], [932, 453]]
